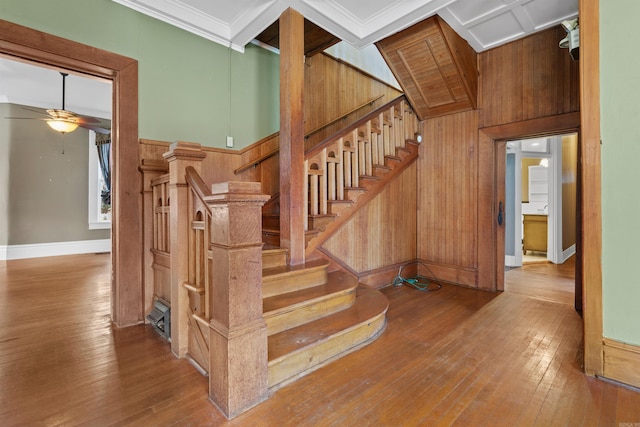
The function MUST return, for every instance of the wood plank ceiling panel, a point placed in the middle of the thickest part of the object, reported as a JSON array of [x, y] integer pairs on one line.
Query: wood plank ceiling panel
[[316, 39], [435, 67]]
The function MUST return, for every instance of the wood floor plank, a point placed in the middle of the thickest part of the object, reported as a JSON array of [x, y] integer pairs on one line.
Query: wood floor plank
[[451, 357]]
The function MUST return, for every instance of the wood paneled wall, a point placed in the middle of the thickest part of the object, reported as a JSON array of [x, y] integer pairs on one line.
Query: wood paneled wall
[[527, 79], [381, 235], [448, 197], [333, 88], [523, 83]]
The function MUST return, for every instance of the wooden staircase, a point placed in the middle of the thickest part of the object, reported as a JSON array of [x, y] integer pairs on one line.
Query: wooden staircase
[[314, 316], [238, 310], [349, 169]]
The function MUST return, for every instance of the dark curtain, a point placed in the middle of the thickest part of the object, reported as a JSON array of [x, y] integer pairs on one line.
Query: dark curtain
[[103, 143]]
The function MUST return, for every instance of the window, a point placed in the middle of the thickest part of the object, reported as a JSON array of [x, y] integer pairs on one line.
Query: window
[[99, 212]]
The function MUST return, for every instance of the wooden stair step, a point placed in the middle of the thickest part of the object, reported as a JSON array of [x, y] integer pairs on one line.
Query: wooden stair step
[[271, 236], [336, 206], [319, 222], [380, 170], [273, 257], [352, 193], [289, 278], [296, 308], [300, 350], [271, 220]]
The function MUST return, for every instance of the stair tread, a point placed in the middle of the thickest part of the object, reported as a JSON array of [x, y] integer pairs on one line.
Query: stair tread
[[288, 269], [338, 282], [369, 304]]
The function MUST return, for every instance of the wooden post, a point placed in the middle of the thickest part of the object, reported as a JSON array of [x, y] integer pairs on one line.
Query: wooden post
[[292, 171], [179, 156], [150, 169], [238, 372]]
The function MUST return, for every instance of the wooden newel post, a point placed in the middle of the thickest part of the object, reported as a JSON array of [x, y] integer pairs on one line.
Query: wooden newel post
[[238, 375], [179, 156]]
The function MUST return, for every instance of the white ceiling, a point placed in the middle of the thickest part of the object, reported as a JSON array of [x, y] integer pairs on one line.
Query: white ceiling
[[483, 23], [26, 84]]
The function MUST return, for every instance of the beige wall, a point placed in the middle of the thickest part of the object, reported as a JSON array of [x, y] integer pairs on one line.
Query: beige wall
[[569, 189], [47, 191]]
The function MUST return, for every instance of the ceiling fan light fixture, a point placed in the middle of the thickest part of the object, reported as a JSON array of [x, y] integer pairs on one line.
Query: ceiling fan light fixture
[[62, 126]]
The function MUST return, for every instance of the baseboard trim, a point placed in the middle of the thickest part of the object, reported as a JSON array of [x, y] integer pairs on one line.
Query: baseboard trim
[[621, 362], [568, 253], [39, 250]]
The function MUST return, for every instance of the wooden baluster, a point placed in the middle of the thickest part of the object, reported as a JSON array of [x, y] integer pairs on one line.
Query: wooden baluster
[[305, 204], [401, 131], [323, 182], [373, 146], [388, 148], [347, 154], [355, 167], [313, 192], [362, 161], [340, 170], [331, 176], [392, 131]]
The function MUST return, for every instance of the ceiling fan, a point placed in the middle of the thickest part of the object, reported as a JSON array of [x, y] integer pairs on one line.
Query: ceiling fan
[[65, 121]]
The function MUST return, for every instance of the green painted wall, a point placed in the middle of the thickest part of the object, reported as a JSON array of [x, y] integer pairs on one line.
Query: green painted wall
[[620, 128], [183, 78]]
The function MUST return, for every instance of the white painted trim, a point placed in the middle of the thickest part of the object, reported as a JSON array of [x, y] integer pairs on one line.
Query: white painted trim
[[554, 218], [568, 253], [510, 261], [39, 250]]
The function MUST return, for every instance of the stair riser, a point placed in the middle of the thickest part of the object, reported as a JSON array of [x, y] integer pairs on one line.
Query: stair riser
[[292, 281], [274, 259], [298, 364], [271, 222], [299, 316], [271, 239], [336, 208]]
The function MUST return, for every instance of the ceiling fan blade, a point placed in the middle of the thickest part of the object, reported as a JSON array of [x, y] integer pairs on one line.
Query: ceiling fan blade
[[26, 118], [34, 110], [87, 119], [96, 129]]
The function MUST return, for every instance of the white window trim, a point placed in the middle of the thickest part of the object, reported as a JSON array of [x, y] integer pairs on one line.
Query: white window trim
[[94, 223]]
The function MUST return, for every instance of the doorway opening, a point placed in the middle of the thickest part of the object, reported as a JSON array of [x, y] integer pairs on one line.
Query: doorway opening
[[26, 44], [540, 217]]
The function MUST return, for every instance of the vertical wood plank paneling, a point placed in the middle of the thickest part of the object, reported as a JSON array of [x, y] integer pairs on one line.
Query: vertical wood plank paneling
[[334, 88], [448, 191], [383, 232], [527, 79]]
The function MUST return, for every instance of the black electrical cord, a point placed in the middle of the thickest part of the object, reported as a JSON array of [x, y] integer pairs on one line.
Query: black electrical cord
[[418, 282]]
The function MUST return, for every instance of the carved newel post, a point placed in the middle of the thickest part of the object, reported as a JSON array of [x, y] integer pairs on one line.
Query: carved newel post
[[238, 375], [179, 156]]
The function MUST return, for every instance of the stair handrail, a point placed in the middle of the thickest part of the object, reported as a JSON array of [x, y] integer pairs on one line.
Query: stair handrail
[[275, 151], [322, 144], [343, 116]]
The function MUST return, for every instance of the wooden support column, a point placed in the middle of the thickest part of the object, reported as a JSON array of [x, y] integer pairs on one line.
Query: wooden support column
[[179, 156], [292, 171], [238, 371], [150, 169]]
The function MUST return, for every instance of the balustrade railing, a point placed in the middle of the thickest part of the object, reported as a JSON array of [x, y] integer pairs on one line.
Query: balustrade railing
[[342, 160]]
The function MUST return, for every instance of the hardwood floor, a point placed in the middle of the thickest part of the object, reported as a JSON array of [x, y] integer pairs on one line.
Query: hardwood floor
[[543, 280], [450, 357]]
